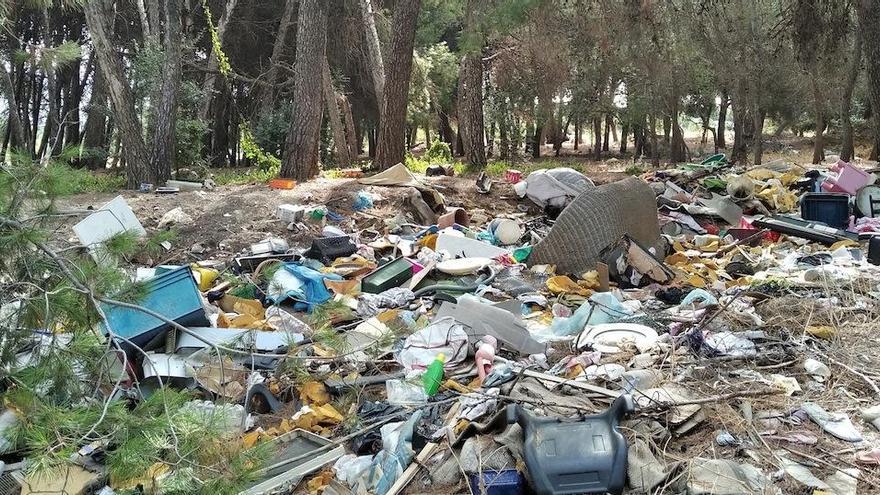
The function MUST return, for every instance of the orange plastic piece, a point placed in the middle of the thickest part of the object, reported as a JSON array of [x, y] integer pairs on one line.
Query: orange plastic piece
[[282, 183]]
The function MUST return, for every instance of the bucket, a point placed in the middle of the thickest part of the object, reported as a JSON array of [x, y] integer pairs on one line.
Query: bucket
[[829, 208], [452, 217]]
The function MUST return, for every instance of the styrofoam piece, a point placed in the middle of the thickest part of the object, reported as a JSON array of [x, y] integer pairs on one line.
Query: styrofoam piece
[[464, 247], [463, 266], [111, 219]]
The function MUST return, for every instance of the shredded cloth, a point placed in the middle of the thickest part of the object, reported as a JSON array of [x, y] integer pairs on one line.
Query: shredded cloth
[[370, 305], [596, 219]]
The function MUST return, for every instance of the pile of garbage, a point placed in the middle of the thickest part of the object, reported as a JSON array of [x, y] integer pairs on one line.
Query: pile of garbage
[[705, 329]]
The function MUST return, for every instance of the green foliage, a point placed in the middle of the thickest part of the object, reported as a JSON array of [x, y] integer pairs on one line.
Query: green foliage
[[189, 130], [249, 147], [60, 55], [634, 170], [270, 129], [216, 45], [439, 152]]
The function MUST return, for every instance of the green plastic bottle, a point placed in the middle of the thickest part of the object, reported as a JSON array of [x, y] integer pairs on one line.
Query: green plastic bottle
[[433, 377]]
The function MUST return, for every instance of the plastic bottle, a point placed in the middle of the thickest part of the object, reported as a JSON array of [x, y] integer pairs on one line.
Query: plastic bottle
[[433, 377], [485, 356]]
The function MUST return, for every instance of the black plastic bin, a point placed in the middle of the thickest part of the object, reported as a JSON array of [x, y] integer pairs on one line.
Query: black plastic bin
[[829, 208]]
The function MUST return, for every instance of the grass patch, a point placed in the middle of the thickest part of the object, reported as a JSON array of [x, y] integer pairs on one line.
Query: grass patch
[[240, 176], [69, 181]]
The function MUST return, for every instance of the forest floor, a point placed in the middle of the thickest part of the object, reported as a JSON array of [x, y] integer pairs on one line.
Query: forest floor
[[231, 217]]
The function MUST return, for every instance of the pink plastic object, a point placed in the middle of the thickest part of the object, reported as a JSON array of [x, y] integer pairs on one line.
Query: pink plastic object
[[485, 357], [513, 176], [850, 179]]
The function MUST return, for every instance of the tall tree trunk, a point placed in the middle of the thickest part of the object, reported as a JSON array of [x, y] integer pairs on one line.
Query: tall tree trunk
[[503, 137], [392, 121], [18, 135], [470, 95], [268, 103], [95, 139], [210, 79], [624, 131], [444, 127], [609, 123], [667, 130], [301, 153], [820, 113], [164, 149], [678, 149], [577, 133], [847, 148], [597, 138], [350, 131], [758, 115], [655, 150], [343, 157], [374, 52], [720, 138], [137, 156], [537, 139]]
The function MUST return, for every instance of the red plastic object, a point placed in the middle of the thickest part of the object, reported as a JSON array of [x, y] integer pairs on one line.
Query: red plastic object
[[513, 176], [282, 183]]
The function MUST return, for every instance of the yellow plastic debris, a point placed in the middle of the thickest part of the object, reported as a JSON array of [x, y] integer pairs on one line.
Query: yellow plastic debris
[[315, 418], [822, 332], [205, 276], [846, 243], [561, 284], [314, 393]]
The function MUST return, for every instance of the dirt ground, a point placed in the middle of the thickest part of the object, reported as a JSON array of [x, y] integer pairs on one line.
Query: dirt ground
[[228, 219]]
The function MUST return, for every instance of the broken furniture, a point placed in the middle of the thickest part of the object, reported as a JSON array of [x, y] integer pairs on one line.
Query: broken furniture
[[172, 294], [588, 455]]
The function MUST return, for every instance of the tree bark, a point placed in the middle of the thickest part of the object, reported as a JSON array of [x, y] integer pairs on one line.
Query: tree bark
[[343, 156], [678, 149], [577, 134], [597, 138], [374, 52], [350, 130], [18, 135], [609, 123], [301, 153], [720, 138], [470, 94], [392, 123], [268, 103], [137, 156], [95, 140], [164, 149], [445, 128], [847, 148], [624, 132], [667, 130], [759, 134], [655, 150], [470, 109], [820, 114]]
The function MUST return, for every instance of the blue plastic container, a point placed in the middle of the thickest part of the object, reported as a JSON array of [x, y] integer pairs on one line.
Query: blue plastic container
[[829, 208], [172, 294], [506, 482]]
